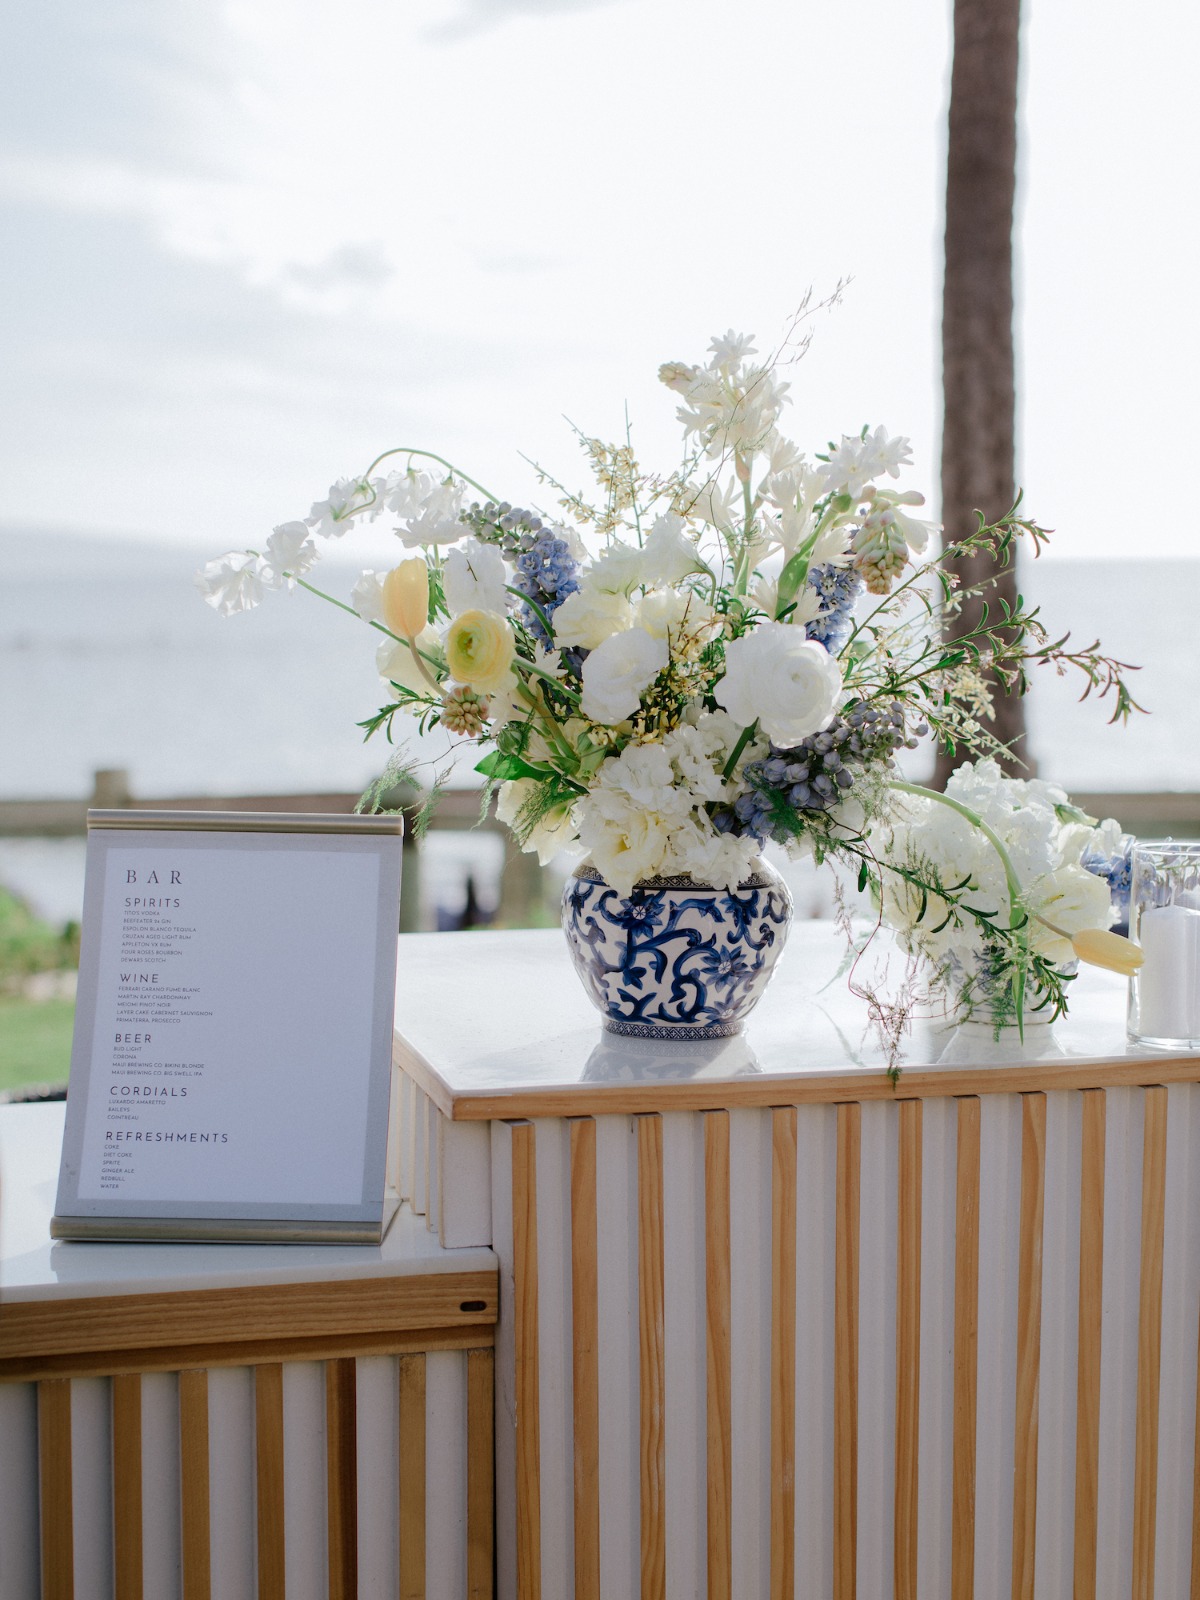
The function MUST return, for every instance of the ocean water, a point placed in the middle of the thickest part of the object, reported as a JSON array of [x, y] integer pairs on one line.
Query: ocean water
[[109, 658]]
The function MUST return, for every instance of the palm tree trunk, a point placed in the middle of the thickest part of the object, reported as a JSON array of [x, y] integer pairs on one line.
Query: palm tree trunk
[[977, 307]]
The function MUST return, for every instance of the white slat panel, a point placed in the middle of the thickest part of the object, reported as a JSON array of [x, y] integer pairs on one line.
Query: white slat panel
[[750, 1329], [20, 1574], [432, 1146], [999, 1244], [1181, 1296], [232, 1509], [446, 1478], [378, 1437], [305, 1527], [556, 1395], [620, 1471], [816, 1167], [877, 1350], [1054, 1574], [505, 1441], [407, 1092], [395, 1122], [416, 1152], [1118, 1355], [686, 1408], [935, 1460], [464, 1184], [160, 1486], [91, 1486]]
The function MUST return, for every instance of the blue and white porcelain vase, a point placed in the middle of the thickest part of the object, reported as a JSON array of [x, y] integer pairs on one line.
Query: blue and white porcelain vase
[[675, 959]]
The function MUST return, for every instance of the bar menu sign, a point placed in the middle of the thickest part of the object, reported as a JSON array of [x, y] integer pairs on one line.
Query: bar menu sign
[[233, 1033]]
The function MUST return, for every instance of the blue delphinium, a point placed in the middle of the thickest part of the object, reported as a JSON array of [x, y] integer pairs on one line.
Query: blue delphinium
[[818, 772], [1115, 866], [546, 572], [838, 589]]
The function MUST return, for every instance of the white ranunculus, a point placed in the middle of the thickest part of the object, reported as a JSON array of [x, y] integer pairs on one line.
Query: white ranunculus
[[616, 673], [588, 617], [474, 577], [1073, 899], [788, 683], [667, 613]]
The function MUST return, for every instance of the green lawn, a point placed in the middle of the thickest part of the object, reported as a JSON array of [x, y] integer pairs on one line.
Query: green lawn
[[35, 1041]]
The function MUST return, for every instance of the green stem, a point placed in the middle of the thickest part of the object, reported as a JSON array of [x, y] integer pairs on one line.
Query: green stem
[[744, 739], [1016, 909], [405, 450], [540, 672], [533, 605]]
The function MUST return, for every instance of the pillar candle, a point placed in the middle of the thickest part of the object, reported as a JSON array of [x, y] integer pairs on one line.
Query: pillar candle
[[1169, 981]]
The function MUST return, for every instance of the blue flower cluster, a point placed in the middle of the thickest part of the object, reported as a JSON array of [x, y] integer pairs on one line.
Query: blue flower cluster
[[1117, 871], [546, 572], [818, 772], [838, 589]]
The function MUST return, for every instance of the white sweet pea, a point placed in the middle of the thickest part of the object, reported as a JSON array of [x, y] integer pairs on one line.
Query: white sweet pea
[[788, 683], [668, 555], [473, 577], [290, 553], [616, 673], [395, 663], [588, 617], [330, 518], [367, 596], [433, 518], [232, 582]]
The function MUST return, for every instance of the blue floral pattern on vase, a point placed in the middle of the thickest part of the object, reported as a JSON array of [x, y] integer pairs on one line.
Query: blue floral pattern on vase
[[675, 959]]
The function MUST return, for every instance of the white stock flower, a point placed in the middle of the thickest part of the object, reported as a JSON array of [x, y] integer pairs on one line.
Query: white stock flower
[[474, 578], [774, 675], [668, 555], [588, 617], [329, 518], [290, 553], [233, 582], [616, 673]]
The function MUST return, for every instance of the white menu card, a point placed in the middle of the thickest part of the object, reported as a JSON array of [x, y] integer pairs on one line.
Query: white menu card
[[233, 1031]]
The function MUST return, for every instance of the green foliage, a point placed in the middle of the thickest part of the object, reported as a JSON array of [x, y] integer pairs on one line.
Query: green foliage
[[29, 945]]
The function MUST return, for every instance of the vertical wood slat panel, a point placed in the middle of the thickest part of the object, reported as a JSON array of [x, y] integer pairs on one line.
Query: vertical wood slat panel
[[717, 1316], [411, 1507], [585, 1358], [652, 1366], [1145, 1470], [127, 1484], [525, 1341], [54, 1484], [966, 1349], [908, 1347], [268, 1480], [480, 1473], [1091, 1306], [784, 1132], [341, 1476], [845, 1360], [1029, 1344], [196, 1547]]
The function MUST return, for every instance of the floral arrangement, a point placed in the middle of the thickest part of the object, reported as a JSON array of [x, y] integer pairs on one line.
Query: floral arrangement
[[679, 668]]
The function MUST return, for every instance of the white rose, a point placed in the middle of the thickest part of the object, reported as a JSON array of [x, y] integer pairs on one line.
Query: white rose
[[617, 570], [588, 617], [789, 683], [617, 671], [474, 577]]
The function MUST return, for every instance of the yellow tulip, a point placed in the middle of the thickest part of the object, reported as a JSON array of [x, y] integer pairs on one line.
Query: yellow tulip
[[1102, 949], [479, 650], [406, 598]]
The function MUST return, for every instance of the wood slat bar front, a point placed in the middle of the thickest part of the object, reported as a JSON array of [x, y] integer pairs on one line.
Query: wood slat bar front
[[585, 1370], [845, 1361], [1145, 1471], [525, 1338], [127, 1484], [56, 1498], [908, 1349], [784, 1122], [966, 1349], [652, 1356], [269, 1480], [717, 1299], [194, 1485], [411, 1506]]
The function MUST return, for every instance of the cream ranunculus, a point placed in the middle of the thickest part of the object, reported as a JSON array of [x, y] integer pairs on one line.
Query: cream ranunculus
[[790, 684], [406, 598], [588, 617], [616, 673], [479, 651]]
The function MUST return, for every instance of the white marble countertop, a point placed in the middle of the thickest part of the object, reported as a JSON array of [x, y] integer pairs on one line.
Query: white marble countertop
[[497, 1024], [33, 1267]]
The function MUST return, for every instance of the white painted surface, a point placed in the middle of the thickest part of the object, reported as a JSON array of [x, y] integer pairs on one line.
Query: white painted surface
[[620, 1460], [20, 1577], [877, 1350], [160, 1486], [91, 1485], [551, 1037], [750, 1349], [686, 1383], [376, 1412], [445, 1478], [231, 1483], [935, 1459], [464, 1208], [305, 1529], [1181, 1299]]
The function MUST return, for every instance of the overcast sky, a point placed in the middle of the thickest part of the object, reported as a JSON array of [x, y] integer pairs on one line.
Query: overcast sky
[[251, 243]]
